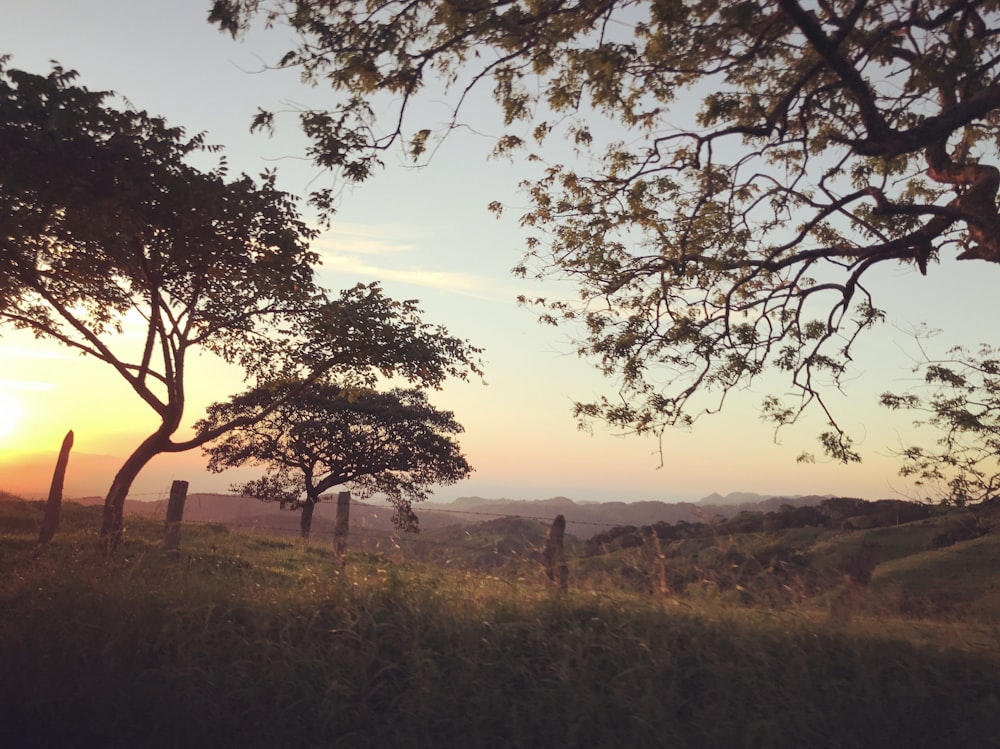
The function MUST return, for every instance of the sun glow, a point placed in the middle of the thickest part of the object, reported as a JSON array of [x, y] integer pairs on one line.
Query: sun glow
[[11, 413]]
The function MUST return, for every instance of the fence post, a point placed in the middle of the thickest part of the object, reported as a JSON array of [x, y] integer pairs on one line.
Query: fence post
[[50, 522], [660, 562], [857, 575], [175, 513], [554, 557], [341, 528]]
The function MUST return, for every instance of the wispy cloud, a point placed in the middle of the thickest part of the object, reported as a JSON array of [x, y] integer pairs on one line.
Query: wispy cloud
[[364, 251], [356, 267], [17, 352], [32, 385], [358, 244], [367, 239]]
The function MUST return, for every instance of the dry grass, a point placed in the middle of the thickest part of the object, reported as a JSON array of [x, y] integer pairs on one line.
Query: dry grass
[[256, 642]]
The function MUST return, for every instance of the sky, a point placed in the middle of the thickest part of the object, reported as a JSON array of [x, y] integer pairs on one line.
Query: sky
[[427, 234]]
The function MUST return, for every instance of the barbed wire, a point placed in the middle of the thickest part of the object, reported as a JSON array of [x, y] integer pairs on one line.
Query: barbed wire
[[419, 509], [424, 508], [164, 494], [369, 532], [364, 537], [36, 494], [400, 541]]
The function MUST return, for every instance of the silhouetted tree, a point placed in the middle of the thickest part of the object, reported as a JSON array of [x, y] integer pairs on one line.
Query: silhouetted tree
[[113, 244], [321, 435]]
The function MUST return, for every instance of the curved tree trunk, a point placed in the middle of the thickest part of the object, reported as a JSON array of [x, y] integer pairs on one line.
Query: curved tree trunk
[[114, 503], [50, 524], [305, 522]]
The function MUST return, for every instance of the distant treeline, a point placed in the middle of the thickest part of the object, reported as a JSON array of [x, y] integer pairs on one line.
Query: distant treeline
[[835, 512]]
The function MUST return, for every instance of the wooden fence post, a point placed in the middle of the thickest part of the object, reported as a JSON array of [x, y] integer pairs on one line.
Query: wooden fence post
[[857, 575], [661, 567], [50, 522], [175, 513], [341, 528], [554, 557]]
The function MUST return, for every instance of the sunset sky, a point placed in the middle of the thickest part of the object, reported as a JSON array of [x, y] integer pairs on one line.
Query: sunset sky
[[427, 234]]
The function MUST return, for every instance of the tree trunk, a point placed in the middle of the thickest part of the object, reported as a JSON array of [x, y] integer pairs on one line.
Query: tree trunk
[[50, 524], [305, 523], [114, 503]]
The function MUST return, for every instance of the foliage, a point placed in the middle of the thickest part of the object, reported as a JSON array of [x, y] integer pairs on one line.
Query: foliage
[[115, 245], [322, 435], [107, 225], [827, 140], [256, 642], [962, 401]]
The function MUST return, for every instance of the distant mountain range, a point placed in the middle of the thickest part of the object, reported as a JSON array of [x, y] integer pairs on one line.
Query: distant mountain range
[[582, 519], [733, 498]]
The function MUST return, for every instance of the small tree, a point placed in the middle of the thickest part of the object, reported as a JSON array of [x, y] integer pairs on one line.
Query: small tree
[[964, 404], [322, 435], [106, 225]]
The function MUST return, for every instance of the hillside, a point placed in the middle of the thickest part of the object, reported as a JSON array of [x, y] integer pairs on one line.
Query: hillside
[[933, 564], [583, 519], [792, 555], [785, 552], [943, 566], [251, 641], [268, 517]]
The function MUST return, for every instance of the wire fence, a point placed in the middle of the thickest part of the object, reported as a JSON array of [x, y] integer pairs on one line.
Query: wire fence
[[364, 536], [165, 494], [422, 509], [418, 509], [503, 550], [473, 546]]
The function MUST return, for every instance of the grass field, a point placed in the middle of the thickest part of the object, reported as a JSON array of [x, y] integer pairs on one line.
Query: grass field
[[252, 641]]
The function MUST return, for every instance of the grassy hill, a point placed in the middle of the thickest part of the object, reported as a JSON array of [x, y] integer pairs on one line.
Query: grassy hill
[[582, 517], [946, 566], [509, 544], [255, 641]]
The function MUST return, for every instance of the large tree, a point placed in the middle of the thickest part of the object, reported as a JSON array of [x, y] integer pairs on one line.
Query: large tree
[[116, 245], [392, 443], [765, 156]]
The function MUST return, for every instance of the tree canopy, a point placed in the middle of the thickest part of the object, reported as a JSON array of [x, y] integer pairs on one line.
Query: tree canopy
[[392, 443], [115, 245], [765, 156], [960, 398]]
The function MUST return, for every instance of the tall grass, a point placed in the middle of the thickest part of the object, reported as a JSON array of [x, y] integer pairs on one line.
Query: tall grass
[[254, 642]]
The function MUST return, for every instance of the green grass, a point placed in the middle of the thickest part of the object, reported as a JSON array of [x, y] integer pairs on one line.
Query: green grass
[[939, 569], [946, 581], [249, 641]]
